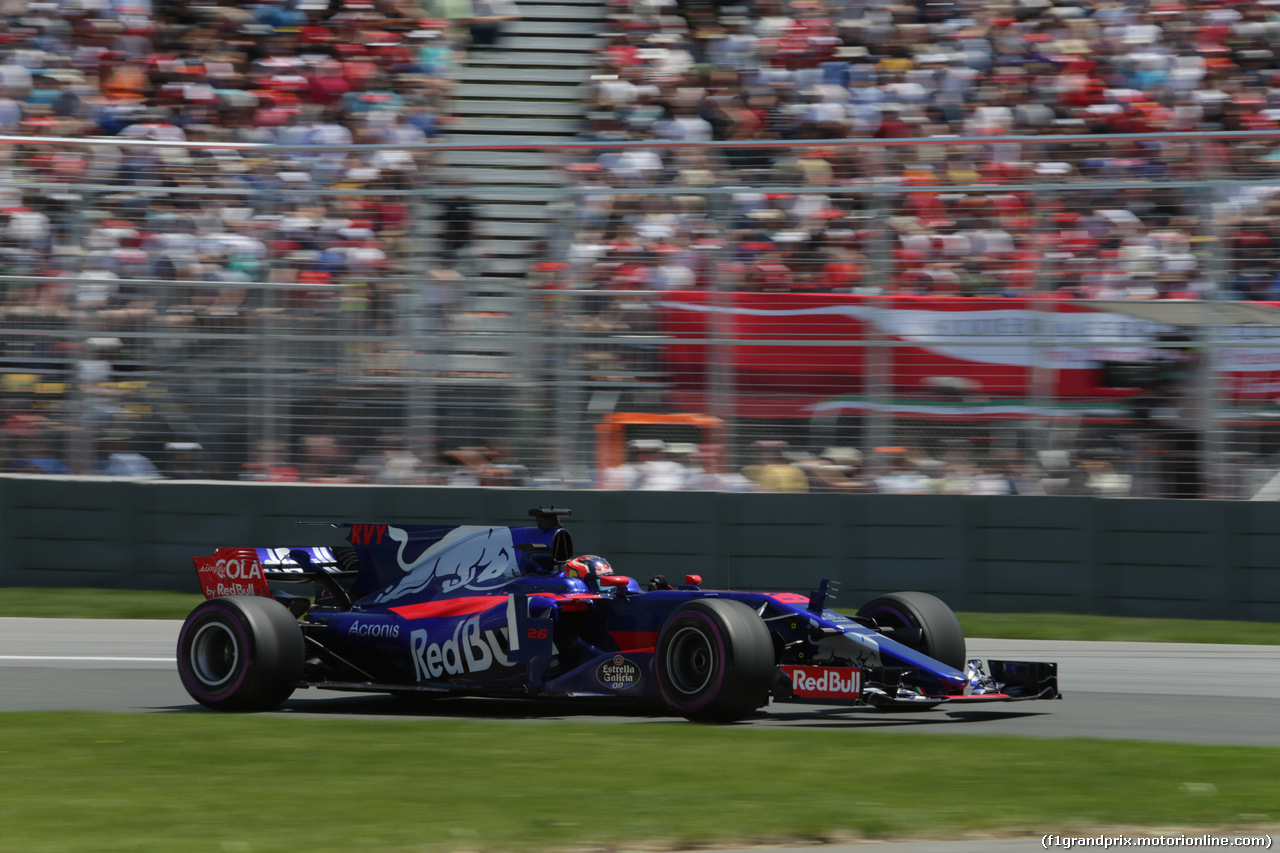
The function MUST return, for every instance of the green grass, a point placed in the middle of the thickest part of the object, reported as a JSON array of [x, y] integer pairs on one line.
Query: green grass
[[203, 782], [96, 603], [133, 604], [1072, 626]]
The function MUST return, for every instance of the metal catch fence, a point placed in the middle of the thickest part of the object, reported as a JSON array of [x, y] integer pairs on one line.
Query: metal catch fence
[[1044, 315]]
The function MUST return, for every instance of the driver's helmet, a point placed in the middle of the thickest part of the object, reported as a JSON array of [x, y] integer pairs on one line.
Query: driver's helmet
[[587, 566]]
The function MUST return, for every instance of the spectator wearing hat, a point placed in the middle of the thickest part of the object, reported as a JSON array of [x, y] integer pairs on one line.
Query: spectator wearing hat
[[836, 470], [647, 469], [774, 471]]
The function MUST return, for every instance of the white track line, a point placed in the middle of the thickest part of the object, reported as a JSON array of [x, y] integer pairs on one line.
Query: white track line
[[87, 658]]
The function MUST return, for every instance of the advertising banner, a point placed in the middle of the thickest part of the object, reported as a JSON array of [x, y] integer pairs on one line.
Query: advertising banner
[[794, 348]]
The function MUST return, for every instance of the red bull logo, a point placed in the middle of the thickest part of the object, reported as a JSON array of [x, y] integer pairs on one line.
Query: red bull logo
[[825, 682]]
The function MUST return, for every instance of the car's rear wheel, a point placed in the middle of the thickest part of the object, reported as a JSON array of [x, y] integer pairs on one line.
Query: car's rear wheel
[[714, 660], [922, 622], [240, 653]]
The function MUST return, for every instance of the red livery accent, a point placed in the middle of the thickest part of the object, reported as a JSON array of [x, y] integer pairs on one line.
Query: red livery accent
[[449, 607], [788, 597], [634, 641], [575, 602], [824, 682], [363, 534], [231, 571]]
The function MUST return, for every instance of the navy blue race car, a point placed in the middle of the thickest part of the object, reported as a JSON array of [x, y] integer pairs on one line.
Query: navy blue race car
[[510, 611]]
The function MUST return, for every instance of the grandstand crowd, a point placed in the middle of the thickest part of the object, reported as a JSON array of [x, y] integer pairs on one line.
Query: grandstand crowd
[[899, 191], [118, 253], [238, 75], [868, 210]]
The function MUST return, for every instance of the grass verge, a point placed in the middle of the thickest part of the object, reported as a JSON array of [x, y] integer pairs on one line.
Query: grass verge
[[96, 603], [138, 604], [1074, 626], [197, 782]]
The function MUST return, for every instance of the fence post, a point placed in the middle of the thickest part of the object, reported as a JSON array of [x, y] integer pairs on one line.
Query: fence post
[[721, 391], [427, 298], [878, 374], [1206, 357]]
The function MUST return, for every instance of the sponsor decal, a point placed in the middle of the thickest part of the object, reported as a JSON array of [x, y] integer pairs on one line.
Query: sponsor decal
[[238, 569], [365, 534], [231, 571], [373, 629], [234, 589], [837, 618], [479, 559], [824, 682], [469, 650], [618, 673]]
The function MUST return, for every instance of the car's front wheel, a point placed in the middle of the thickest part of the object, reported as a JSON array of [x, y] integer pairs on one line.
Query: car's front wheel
[[922, 622], [240, 653], [714, 660]]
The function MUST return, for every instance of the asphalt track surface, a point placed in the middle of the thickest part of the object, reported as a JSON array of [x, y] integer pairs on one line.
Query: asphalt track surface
[[1183, 693]]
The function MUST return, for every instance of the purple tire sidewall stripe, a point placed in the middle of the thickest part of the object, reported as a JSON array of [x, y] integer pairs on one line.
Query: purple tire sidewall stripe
[[906, 620], [712, 690], [235, 622]]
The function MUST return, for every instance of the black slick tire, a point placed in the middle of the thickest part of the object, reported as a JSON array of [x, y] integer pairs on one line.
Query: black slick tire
[[240, 653], [714, 660], [922, 622]]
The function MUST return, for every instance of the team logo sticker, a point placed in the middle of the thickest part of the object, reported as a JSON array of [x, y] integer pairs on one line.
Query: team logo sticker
[[824, 682], [618, 673], [231, 571]]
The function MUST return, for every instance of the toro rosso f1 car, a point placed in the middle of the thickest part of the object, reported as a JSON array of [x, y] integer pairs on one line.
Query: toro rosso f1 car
[[508, 611]]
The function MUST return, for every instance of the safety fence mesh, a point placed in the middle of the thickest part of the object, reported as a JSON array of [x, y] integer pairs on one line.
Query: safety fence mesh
[[1043, 315]]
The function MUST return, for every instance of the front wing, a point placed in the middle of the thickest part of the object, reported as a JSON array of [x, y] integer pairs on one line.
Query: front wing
[[891, 687]]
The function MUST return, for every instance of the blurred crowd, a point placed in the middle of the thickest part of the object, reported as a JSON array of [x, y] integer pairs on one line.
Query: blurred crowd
[[140, 76], [388, 461], [775, 466], [190, 104], [211, 167], [887, 88]]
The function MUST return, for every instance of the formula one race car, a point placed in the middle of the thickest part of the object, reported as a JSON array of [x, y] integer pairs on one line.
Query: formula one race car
[[509, 611]]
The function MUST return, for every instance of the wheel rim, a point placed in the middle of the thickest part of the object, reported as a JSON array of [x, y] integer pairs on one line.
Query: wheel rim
[[892, 617], [690, 661], [215, 654], [887, 613]]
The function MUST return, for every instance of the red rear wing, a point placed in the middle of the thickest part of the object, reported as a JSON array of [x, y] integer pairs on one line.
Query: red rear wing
[[231, 571]]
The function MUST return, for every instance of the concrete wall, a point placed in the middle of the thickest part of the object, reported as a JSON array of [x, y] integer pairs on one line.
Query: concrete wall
[[1122, 557]]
